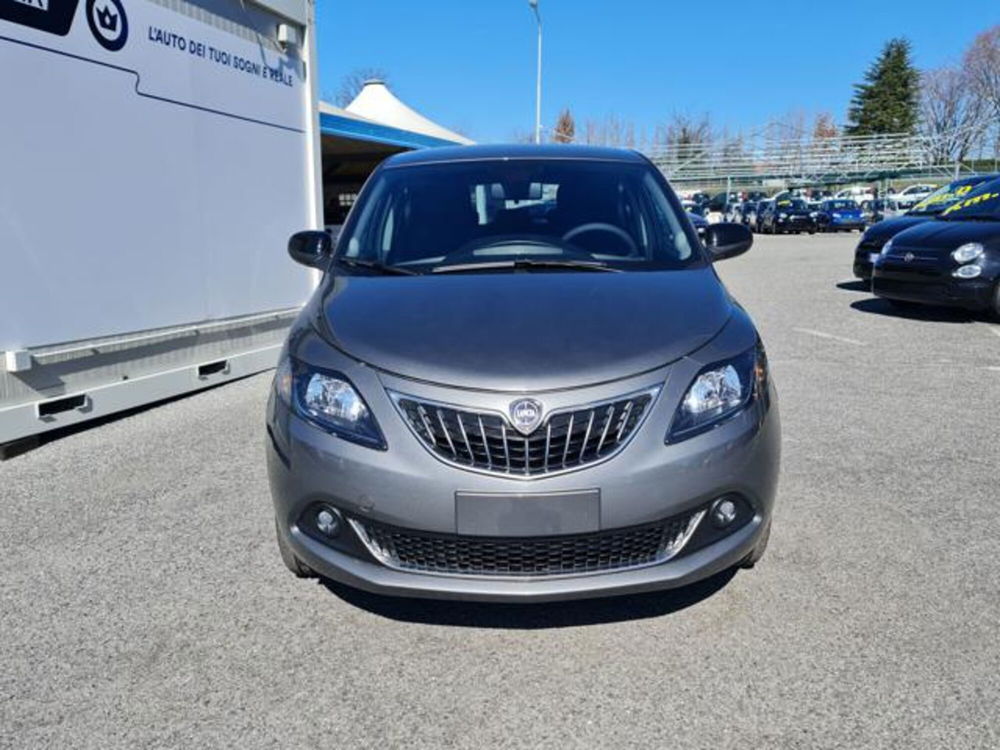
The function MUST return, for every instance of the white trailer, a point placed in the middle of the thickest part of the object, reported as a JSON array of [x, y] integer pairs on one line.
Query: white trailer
[[155, 155]]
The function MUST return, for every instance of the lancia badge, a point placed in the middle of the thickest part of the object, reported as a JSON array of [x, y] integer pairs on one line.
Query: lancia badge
[[525, 415]]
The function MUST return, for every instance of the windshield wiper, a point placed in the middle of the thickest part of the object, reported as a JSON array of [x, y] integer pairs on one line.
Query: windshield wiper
[[529, 264], [373, 265]]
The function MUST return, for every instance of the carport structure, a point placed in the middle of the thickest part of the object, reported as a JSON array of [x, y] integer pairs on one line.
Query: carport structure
[[356, 139]]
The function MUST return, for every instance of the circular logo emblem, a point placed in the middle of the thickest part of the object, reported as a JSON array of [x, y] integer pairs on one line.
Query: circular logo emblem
[[525, 415], [908, 257], [108, 23]]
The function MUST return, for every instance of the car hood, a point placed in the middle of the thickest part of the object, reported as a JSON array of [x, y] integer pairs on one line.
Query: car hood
[[880, 233], [523, 331], [947, 235]]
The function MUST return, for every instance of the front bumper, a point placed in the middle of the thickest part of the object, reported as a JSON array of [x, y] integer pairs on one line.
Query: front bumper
[[848, 226], [932, 286], [864, 263], [407, 487], [795, 225]]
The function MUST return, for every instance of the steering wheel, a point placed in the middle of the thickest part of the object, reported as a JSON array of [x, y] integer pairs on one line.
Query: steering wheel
[[600, 226]]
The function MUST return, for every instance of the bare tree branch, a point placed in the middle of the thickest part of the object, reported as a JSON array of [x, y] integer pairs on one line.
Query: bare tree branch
[[352, 83]]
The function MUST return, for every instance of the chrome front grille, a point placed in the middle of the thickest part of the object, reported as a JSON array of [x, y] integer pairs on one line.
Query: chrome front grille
[[520, 557], [486, 441]]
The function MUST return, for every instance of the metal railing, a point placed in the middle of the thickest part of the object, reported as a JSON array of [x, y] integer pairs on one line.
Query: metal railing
[[803, 160]]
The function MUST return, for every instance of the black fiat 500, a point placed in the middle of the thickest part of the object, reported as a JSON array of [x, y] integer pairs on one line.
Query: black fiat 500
[[953, 260], [788, 215], [933, 205]]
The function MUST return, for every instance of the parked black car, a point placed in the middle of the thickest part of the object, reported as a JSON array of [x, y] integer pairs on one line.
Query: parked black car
[[748, 214], [953, 260], [878, 234], [762, 206], [787, 215]]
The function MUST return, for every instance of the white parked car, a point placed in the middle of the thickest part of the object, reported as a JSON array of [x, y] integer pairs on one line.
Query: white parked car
[[910, 196], [856, 193]]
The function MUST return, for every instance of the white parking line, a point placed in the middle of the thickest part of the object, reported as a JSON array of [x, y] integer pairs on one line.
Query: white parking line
[[823, 335], [993, 329]]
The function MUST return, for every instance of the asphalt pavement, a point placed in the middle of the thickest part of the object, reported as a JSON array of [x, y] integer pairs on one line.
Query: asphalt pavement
[[143, 603]]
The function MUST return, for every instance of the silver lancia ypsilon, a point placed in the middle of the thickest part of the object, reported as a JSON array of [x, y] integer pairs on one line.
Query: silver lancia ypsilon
[[520, 379]]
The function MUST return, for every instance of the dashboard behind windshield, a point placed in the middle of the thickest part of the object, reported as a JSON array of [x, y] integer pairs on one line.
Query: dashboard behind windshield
[[429, 216]]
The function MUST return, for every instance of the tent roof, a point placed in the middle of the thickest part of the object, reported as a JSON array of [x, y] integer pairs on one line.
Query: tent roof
[[376, 103]]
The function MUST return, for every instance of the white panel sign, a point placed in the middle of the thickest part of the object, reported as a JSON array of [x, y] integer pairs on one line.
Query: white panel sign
[[152, 166]]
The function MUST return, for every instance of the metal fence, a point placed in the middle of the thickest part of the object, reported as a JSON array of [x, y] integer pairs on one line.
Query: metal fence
[[803, 161]]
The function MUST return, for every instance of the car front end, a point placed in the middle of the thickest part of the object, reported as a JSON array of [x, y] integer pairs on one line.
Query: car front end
[[955, 264], [600, 499], [874, 238], [521, 419]]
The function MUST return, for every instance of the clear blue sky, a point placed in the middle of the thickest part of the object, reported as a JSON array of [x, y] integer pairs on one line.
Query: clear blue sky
[[470, 64]]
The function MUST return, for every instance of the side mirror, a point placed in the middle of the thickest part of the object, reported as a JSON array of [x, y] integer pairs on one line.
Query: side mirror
[[727, 240], [310, 248]]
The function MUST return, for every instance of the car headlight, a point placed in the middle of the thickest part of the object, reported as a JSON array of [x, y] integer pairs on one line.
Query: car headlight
[[886, 248], [782, 216], [967, 253], [328, 400], [719, 392]]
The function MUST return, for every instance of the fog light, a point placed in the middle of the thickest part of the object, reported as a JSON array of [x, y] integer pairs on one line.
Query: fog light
[[723, 512], [328, 521], [967, 272]]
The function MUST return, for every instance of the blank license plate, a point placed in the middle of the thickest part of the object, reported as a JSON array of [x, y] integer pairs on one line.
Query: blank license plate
[[528, 514]]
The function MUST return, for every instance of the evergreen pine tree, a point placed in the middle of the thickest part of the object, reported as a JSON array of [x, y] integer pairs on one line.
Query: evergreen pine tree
[[887, 100]]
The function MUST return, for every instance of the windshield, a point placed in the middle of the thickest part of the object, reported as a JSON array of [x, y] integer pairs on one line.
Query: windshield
[[537, 213], [944, 197], [982, 203], [841, 206], [791, 204]]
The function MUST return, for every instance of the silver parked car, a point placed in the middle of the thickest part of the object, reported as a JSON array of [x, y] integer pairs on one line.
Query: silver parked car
[[521, 379]]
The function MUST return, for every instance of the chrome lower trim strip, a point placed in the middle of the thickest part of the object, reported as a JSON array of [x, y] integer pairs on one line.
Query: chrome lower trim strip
[[666, 554]]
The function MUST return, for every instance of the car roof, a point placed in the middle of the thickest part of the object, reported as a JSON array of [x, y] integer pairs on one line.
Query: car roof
[[513, 151]]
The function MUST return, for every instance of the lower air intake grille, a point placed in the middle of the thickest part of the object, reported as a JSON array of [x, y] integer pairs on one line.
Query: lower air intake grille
[[487, 441], [527, 556]]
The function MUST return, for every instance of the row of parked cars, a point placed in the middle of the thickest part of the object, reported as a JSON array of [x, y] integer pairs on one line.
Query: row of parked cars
[[805, 210], [943, 251], [787, 214]]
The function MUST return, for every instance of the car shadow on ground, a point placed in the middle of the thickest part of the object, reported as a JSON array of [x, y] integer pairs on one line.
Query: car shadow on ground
[[878, 306], [855, 286], [536, 616]]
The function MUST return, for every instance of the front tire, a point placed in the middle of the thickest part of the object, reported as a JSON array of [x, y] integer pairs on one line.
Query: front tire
[[298, 568], [758, 552]]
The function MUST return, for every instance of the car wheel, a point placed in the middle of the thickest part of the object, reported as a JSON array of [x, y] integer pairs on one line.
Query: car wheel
[[758, 552], [298, 568], [996, 302]]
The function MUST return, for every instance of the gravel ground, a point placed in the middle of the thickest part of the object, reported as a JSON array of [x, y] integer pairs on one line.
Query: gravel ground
[[142, 601]]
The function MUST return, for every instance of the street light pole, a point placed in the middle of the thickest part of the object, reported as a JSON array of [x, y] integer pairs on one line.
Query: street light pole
[[538, 75]]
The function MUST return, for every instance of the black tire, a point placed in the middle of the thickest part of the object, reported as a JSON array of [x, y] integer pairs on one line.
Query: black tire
[[758, 552], [995, 311], [298, 568]]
